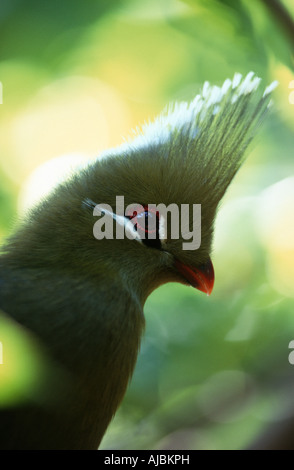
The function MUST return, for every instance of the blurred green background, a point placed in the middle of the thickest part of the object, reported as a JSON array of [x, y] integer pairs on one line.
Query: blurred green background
[[76, 78]]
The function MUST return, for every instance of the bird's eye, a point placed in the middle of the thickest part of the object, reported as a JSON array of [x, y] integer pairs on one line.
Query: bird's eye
[[146, 223]]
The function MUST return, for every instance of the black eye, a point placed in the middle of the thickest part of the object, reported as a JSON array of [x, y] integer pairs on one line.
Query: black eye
[[146, 222]]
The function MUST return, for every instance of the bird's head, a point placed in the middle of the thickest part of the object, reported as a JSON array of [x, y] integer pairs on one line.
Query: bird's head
[[163, 188], [145, 211]]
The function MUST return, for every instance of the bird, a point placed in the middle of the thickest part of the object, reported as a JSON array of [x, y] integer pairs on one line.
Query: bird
[[80, 293]]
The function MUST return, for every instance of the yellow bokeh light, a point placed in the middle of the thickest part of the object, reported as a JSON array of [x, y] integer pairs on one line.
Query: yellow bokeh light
[[275, 222], [47, 176], [71, 115]]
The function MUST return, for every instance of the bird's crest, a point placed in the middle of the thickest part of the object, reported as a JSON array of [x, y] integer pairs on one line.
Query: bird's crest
[[208, 136]]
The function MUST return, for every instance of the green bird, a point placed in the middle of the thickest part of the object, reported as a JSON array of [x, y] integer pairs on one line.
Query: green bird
[[77, 271]]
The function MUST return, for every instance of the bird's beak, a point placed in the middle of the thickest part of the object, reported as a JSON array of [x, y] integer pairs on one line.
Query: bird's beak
[[201, 278]]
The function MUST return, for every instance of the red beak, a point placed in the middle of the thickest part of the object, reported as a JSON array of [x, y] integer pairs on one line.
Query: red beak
[[201, 278]]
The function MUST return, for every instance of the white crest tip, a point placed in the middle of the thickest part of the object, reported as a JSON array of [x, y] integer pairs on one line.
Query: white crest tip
[[270, 88], [226, 86], [236, 80]]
